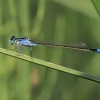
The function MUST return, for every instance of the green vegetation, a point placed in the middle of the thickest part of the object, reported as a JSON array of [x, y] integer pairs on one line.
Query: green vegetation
[[96, 4], [57, 20]]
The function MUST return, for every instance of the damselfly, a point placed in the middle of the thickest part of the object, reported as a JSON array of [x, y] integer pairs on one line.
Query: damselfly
[[29, 43]]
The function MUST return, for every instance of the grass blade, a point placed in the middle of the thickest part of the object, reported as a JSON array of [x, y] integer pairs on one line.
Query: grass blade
[[50, 65]]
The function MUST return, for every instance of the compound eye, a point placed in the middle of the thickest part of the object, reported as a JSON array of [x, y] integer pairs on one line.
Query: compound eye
[[11, 42]]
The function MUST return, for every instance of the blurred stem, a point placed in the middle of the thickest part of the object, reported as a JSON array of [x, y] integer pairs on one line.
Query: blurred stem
[[25, 81], [24, 16], [13, 14], [3, 90], [96, 5], [1, 13], [39, 17]]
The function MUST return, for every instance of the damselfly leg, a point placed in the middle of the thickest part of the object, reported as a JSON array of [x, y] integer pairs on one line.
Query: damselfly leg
[[30, 51]]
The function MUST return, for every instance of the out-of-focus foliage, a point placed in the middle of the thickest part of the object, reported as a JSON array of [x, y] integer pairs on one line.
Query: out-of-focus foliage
[[96, 4], [84, 7], [65, 20]]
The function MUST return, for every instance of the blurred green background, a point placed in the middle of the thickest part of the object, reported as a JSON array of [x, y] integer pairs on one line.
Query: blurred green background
[[57, 20]]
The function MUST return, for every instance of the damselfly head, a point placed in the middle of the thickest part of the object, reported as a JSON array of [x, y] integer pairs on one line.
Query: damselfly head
[[12, 40]]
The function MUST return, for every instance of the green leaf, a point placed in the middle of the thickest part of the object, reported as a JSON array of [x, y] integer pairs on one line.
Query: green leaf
[[96, 5]]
